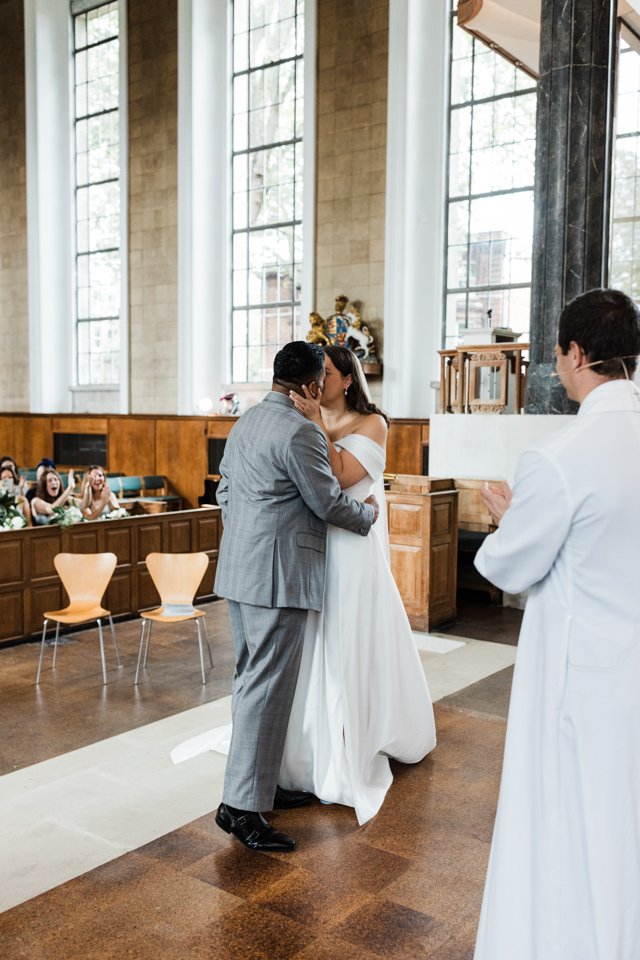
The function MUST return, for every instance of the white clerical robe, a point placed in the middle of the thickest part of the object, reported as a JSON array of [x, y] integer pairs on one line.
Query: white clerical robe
[[564, 872]]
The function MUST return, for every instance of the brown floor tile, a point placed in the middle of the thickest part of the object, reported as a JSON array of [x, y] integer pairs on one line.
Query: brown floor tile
[[388, 930], [250, 933], [245, 873], [183, 847], [486, 698], [306, 898], [330, 948], [406, 885], [354, 863], [447, 880], [72, 708]]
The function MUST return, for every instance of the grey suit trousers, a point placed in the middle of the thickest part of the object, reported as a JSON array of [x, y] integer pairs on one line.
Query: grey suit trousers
[[268, 647]]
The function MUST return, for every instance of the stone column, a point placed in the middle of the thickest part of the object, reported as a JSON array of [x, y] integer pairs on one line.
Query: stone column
[[578, 45]]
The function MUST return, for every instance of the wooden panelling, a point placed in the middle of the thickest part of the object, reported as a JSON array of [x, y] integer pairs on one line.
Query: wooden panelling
[[33, 440], [208, 535], [423, 537], [148, 596], [406, 564], [85, 538], [472, 510], [43, 552], [80, 424], [404, 447], [43, 597], [132, 446], [181, 455], [174, 447], [221, 427], [118, 540], [12, 620], [150, 539], [179, 538], [11, 561], [405, 519], [31, 551], [119, 596], [8, 444], [441, 520]]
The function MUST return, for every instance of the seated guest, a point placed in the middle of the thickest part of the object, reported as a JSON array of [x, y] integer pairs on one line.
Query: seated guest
[[49, 495], [22, 483], [44, 463], [10, 480], [97, 498]]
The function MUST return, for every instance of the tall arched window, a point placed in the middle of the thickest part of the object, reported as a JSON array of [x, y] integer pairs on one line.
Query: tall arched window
[[267, 182], [624, 267], [96, 57], [492, 146]]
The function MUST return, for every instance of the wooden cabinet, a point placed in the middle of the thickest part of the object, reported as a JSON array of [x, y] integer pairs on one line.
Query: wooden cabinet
[[29, 584], [406, 442], [423, 531]]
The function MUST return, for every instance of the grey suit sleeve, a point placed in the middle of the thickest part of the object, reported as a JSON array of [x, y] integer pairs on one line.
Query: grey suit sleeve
[[222, 492], [310, 470]]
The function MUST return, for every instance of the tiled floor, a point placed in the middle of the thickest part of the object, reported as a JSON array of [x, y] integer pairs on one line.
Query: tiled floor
[[408, 884]]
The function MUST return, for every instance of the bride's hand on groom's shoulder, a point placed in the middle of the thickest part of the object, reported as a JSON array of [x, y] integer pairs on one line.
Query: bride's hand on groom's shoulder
[[308, 405]]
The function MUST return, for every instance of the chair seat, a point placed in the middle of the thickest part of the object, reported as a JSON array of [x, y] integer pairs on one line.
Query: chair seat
[[77, 613], [159, 614]]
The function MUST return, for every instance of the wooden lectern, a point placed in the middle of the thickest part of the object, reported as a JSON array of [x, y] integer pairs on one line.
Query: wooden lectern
[[423, 538]]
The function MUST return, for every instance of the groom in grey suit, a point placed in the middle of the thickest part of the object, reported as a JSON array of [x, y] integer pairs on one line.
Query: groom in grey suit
[[277, 494]]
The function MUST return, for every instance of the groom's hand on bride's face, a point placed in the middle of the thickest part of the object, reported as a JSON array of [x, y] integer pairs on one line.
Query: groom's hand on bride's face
[[376, 508]]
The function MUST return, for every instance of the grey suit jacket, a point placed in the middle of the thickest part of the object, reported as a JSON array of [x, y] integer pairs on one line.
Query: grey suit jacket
[[277, 494]]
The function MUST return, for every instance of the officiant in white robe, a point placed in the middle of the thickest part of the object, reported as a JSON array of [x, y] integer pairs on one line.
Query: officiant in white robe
[[564, 873]]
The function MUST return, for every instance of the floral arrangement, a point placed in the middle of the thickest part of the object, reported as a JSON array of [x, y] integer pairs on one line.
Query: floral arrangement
[[66, 516], [10, 516], [119, 514]]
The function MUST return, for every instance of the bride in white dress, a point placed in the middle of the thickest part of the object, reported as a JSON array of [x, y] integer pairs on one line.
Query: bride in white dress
[[361, 695]]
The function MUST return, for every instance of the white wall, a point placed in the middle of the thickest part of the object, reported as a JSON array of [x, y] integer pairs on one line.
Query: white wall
[[485, 446]]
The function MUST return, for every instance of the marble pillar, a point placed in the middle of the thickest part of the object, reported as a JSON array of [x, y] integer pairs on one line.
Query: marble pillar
[[578, 45]]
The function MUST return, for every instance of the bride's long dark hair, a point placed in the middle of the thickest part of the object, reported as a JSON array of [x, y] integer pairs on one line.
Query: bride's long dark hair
[[356, 397]]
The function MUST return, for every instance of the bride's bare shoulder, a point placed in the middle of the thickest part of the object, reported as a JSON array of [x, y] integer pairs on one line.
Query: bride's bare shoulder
[[373, 426]]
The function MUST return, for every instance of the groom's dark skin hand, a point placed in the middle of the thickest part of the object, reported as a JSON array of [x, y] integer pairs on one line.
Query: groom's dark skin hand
[[376, 508]]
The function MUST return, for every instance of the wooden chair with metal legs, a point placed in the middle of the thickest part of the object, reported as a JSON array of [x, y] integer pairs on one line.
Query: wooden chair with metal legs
[[176, 576], [85, 577]]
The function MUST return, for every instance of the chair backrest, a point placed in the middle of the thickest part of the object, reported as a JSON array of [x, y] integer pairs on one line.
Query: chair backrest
[[85, 576], [154, 483], [177, 576], [127, 486]]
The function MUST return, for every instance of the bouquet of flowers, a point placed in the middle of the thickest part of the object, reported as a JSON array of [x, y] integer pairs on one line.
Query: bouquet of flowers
[[119, 514], [67, 516], [10, 516]]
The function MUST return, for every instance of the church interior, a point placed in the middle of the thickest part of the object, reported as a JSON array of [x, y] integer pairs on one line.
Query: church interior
[[185, 186]]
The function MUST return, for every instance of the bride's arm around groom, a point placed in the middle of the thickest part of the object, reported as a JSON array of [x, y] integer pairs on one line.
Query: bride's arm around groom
[[277, 495]]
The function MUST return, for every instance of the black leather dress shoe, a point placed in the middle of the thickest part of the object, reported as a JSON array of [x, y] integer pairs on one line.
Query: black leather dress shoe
[[287, 799], [253, 830]]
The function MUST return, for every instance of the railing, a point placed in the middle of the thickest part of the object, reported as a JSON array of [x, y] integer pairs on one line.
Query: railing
[[488, 378]]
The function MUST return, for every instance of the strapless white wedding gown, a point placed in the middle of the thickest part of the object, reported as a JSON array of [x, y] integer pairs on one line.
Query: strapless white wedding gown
[[361, 695]]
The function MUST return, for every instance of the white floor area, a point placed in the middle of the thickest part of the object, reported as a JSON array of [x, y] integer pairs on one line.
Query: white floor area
[[68, 815]]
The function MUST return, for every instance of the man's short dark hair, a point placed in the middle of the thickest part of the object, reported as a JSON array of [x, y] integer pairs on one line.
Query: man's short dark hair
[[298, 362], [606, 325]]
